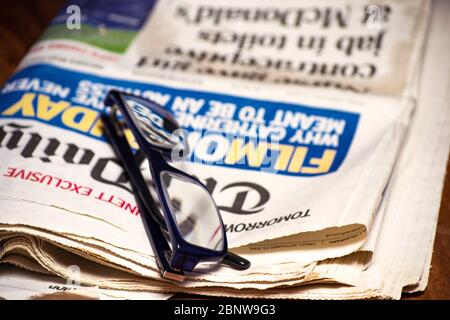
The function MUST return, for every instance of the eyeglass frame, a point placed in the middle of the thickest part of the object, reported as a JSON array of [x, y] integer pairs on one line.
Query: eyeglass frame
[[183, 256]]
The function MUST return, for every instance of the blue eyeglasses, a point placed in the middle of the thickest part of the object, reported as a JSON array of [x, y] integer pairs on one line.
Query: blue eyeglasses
[[190, 229]]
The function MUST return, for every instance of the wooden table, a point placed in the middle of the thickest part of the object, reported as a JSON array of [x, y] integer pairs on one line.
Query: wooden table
[[21, 23]]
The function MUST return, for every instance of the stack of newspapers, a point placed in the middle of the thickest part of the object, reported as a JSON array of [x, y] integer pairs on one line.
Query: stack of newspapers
[[327, 136]]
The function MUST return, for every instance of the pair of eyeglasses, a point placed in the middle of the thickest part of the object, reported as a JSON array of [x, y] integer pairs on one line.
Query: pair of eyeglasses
[[187, 227]]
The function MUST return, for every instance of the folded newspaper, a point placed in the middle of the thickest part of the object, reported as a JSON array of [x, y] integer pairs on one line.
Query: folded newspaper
[[327, 139]]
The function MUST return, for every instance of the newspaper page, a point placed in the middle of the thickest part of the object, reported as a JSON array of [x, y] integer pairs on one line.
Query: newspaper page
[[295, 163]]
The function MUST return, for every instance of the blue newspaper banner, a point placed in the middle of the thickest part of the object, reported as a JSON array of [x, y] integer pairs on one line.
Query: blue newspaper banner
[[223, 130]]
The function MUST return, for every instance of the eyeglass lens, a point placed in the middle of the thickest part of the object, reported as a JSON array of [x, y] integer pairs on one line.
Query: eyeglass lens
[[194, 211]]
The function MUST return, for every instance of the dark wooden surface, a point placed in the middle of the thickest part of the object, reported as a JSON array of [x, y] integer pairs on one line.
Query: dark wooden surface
[[21, 23]]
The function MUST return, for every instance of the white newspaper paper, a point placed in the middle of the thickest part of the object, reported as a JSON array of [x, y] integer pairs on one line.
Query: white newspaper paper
[[240, 80]]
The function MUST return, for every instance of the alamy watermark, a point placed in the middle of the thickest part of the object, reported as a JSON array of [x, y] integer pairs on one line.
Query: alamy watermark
[[74, 275], [376, 16], [73, 21]]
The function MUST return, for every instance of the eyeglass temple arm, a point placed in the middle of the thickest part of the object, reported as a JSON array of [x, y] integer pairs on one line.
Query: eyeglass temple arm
[[123, 151], [235, 261], [154, 232]]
